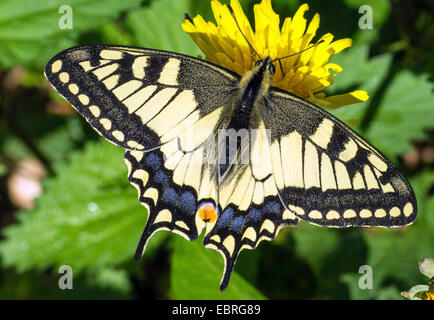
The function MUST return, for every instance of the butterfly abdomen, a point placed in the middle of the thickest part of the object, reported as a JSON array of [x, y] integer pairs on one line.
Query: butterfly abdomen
[[251, 91], [254, 88]]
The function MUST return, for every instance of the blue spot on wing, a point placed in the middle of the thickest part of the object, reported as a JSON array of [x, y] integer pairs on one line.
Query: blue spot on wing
[[187, 202], [161, 178], [254, 214], [170, 196], [272, 207], [153, 161], [225, 218], [237, 223]]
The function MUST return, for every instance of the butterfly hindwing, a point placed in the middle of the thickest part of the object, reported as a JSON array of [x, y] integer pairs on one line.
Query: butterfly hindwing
[[249, 204], [327, 174], [171, 201], [250, 211]]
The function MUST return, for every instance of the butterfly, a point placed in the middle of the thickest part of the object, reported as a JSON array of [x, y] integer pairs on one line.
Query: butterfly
[[172, 114]]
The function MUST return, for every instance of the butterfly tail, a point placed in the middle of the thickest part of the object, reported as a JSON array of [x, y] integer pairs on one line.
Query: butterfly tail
[[227, 273], [146, 234]]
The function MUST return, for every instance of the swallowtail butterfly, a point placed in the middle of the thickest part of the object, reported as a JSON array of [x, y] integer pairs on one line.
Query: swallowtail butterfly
[[167, 110]]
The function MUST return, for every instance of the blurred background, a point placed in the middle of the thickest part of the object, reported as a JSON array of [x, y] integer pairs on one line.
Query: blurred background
[[64, 194]]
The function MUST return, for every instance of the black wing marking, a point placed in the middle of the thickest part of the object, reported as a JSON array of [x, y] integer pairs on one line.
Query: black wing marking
[[161, 107], [250, 207], [327, 174], [172, 186], [134, 96]]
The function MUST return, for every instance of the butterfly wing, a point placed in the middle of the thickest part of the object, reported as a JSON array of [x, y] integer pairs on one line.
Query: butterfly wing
[[171, 189], [138, 98], [327, 174], [163, 108], [250, 206], [159, 106]]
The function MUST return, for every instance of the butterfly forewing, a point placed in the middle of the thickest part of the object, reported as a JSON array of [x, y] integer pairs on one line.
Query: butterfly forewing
[[135, 97], [327, 174]]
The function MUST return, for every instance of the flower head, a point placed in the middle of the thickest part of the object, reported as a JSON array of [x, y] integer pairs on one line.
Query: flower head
[[306, 74], [422, 291]]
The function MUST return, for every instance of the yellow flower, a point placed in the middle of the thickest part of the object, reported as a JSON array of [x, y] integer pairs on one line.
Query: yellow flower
[[306, 74], [421, 291]]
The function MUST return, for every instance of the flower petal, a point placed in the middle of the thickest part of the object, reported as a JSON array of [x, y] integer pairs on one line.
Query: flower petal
[[300, 70], [347, 98], [266, 20], [341, 44], [298, 24]]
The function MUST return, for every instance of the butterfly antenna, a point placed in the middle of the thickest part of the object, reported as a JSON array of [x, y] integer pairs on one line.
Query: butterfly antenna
[[312, 46], [250, 45], [187, 17]]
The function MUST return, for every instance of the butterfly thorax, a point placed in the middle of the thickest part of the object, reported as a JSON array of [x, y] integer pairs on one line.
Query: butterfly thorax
[[253, 88]]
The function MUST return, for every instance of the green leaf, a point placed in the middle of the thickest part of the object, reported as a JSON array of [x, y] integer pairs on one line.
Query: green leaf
[[88, 217], [405, 111], [359, 72], [393, 254], [113, 33], [308, 238], [380, 14], [35, 285], [355, 292], [196, 273], [380, 9], [330, 253], [159, 28], [29, 30], [3, 169], [111, 279]]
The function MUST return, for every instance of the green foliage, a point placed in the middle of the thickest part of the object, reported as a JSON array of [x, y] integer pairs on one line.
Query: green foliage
[[394, 254], [145, 24], [142, 25], [3, 169], [29, 31], [405, 103], [404, 113], [89, 218], [196, 271], [370, 74]]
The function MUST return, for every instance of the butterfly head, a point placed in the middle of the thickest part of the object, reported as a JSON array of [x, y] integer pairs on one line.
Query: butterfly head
[[266, 65], [263, 72]]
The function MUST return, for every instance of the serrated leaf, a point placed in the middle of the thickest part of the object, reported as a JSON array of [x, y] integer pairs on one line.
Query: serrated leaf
[[88, 217], [30, 33], [405, 111], [196, 272]]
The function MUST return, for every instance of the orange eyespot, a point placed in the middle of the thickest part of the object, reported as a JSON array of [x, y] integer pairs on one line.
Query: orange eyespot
[[208, 212]]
